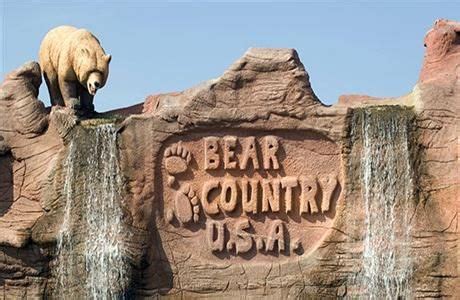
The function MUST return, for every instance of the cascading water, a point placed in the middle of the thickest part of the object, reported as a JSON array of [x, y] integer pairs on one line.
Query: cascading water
[[65, 243], [387, 186], [90, 249], [104, 258]]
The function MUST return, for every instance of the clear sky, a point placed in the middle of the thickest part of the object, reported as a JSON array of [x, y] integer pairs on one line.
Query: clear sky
[[364, 47]]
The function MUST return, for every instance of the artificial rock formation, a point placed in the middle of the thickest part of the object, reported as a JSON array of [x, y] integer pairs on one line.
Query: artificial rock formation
[[244, 186]]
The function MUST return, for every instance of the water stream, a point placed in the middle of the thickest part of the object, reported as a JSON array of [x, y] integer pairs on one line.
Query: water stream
[[65, 242], [89, 247], [387, 186]]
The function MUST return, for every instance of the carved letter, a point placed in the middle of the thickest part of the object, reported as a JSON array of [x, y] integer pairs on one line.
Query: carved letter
[[288, 183], [215, 233], [209, 208], [211, 156], [249, 152], [229, 152], [270, 199], [226, 203], [269, 153], [276, 234], [308, 188], [328, 184], [243, 239], [249, 204]]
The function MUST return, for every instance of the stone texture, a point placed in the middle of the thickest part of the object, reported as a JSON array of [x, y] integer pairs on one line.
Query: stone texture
[[271, 80], [23, 119], [442, 51], [3, 146], [265, 100], [438, 103]]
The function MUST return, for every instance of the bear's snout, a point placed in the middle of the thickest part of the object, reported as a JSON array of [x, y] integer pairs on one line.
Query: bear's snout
[[94, 82], [92, 88]]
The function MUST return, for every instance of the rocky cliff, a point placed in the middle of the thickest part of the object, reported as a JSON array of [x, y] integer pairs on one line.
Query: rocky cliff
[[244, 186]]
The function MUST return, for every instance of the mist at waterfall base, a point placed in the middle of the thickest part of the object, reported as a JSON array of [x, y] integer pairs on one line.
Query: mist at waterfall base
[[90, 259], [386, 174]]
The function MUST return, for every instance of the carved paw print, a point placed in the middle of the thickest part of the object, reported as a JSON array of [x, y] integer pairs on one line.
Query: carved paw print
[[177, 160], [186, 206]]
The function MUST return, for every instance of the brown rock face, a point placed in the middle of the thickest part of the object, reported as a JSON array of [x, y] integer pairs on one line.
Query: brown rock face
[[22, 121], [442, 44], [244, 186], [438, 102]]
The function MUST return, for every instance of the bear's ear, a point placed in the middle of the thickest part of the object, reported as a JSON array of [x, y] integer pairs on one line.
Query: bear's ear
[[108, 58]]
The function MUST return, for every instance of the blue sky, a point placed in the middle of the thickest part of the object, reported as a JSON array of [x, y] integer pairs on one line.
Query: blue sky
[[373, 48]]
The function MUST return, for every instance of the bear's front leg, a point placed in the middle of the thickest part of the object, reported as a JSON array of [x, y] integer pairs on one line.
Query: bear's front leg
[[86, 99], [69, 94]]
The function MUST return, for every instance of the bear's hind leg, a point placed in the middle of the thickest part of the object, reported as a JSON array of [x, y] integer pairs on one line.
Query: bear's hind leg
[[69, 94], [53, 88]]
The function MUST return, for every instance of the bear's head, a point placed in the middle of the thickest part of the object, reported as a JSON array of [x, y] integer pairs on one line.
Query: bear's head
[[94, 82], [93, 68]]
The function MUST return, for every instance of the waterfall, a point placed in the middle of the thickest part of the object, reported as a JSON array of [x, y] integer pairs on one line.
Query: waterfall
[[89, 248], [103, 255], [387, 187], [65, 243]]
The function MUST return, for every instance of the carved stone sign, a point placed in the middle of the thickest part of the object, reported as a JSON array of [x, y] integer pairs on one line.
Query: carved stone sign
[[265, 195], [245, 186]]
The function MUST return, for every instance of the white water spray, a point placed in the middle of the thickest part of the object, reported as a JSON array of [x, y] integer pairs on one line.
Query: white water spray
[[105, 266], [65, 272], [103, 272], [387, 188]]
